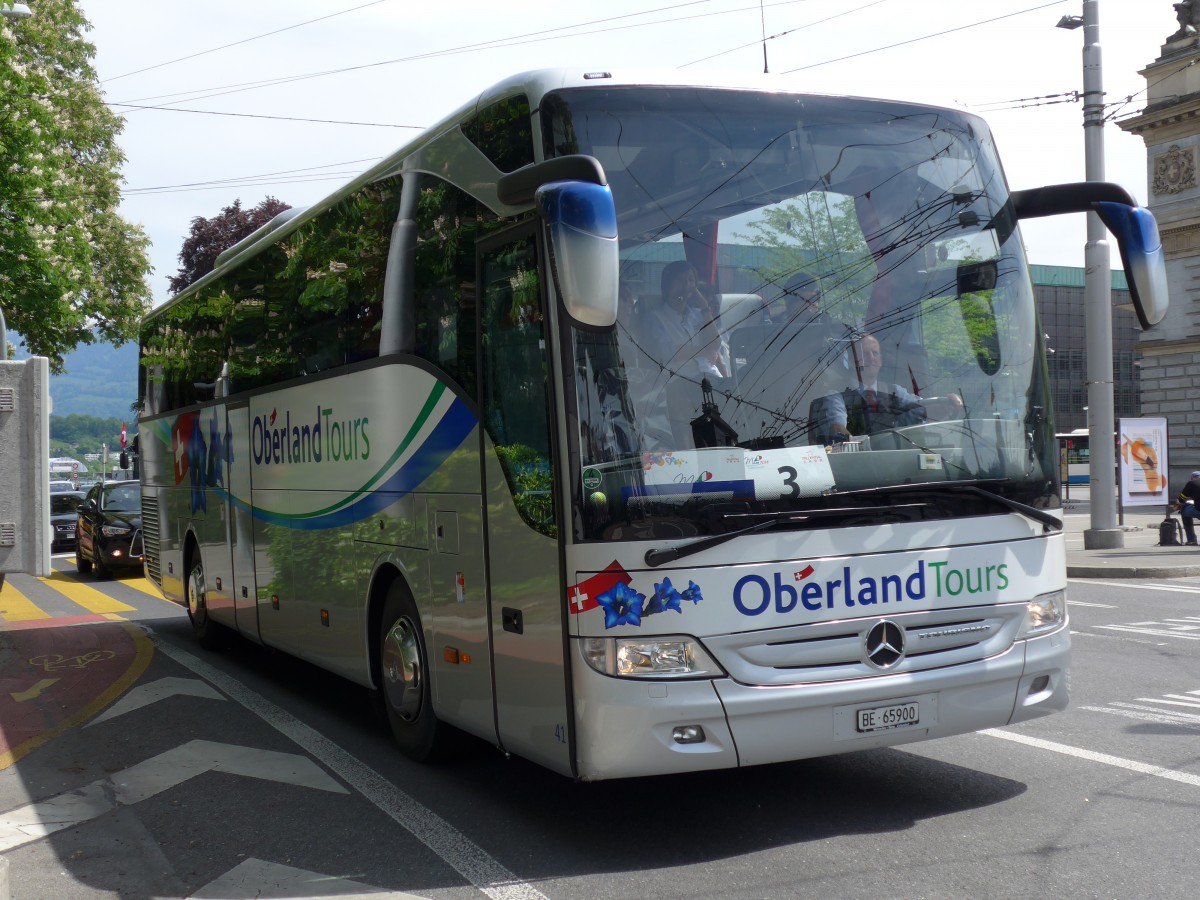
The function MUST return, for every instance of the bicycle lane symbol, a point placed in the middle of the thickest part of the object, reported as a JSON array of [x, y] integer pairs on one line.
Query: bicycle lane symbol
[[56, 678]]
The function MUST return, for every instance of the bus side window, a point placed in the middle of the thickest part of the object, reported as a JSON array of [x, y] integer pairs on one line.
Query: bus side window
[[515, 398], [449, 222]]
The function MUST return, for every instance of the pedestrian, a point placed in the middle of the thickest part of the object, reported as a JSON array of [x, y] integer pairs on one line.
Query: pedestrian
[[1187, 504]]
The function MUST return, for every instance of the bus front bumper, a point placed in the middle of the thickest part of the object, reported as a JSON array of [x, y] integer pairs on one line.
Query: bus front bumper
[[627, 728]]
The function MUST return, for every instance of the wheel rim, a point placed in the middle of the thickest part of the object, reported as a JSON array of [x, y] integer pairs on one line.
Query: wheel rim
[[195, 594], [403, 670]]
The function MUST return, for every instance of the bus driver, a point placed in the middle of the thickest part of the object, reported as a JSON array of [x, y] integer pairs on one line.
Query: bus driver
[[872, 406]]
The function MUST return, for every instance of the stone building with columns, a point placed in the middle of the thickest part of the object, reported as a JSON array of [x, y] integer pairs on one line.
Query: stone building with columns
[[1170, 127]]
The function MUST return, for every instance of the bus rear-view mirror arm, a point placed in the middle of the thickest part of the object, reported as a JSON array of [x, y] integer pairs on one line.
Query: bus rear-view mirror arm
[[1133, 226]]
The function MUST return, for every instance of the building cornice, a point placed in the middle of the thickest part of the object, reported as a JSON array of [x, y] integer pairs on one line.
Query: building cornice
[[1170, 123]]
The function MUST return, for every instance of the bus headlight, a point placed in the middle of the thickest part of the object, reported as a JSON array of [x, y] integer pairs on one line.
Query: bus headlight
[[1044, 614], [671, 656]]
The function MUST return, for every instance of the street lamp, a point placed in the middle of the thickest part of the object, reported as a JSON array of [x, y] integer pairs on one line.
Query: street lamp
[[1097, 294]]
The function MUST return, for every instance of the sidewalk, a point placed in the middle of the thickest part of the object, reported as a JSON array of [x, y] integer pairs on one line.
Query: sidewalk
[[1141, 557]]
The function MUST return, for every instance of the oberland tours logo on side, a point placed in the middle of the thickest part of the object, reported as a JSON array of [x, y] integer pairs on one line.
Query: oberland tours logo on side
[[753, 595], [278, 440]]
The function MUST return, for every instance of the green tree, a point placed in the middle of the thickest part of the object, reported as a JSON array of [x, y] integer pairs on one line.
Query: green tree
[[72, 271], [817, 233]]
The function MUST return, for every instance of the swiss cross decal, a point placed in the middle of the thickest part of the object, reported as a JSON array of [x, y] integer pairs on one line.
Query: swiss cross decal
[[622, 603], [583, 596]]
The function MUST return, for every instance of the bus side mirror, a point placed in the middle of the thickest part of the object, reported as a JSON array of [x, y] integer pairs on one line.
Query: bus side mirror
[[1141, 255], [123, 460], [1133, 227], [582, 220]]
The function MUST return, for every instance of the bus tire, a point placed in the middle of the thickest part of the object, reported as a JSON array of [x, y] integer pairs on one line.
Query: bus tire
[[404, 679], [206, 631]]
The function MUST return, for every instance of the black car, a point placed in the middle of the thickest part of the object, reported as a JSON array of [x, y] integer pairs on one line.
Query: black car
[[64, 510], [110, 528]]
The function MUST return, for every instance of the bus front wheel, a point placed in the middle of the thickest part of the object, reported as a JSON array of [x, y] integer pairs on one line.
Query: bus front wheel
[[404, 679]]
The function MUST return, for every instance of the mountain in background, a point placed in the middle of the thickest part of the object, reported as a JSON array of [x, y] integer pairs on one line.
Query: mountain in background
[[100, 380]]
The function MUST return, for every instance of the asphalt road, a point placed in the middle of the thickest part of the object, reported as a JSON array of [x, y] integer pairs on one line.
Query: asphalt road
[[165, 771]]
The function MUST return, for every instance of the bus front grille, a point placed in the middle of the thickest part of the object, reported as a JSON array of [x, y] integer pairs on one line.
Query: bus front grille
[[838, 651]]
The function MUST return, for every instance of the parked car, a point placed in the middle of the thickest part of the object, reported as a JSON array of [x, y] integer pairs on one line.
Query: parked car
[[109, 528], [64, 511], [60, 486]]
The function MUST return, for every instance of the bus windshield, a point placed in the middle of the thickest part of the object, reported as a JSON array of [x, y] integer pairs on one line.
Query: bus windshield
[[824, 306]]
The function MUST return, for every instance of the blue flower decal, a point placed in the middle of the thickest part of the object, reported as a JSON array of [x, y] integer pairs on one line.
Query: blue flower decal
[[692, 592], [197, 453], [665, 597], [214, 453], [622, 605]]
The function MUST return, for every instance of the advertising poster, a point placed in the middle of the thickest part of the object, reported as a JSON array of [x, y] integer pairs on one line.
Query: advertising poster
[[1143, 462]]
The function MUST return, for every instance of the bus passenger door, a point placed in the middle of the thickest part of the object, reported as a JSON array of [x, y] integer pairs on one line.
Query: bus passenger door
[[201, 463], [238, 515], [525, 591]]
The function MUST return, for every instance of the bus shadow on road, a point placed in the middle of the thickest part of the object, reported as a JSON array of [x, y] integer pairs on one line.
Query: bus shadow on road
[[725, 814]]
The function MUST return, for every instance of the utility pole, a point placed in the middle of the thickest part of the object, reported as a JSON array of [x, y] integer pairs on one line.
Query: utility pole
[[1097, 294]]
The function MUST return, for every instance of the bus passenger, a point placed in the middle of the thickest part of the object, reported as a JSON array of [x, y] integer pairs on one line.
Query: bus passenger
[[678, 327]]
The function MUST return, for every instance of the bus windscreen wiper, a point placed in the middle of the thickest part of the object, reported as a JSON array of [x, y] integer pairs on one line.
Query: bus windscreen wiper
[[669, 554], [968, 487], [1051, 522]]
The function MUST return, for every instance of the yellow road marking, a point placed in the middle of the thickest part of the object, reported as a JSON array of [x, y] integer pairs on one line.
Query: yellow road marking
[[141, 583], [88, 597], [16, 607], [35, 691], [145, 585]]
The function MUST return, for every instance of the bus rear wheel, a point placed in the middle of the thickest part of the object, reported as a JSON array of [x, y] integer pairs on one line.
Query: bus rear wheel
[[404, 679], [204, 628]]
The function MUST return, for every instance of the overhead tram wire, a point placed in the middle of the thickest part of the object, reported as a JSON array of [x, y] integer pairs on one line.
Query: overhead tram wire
[[535, 37], [347, 162], [485, 45], [1025, 103], [213, 112], [1125, 101], [927, 37], [774, 37], [147, 192], [311, 173], [256, 37], [518, 39], [512, 41]]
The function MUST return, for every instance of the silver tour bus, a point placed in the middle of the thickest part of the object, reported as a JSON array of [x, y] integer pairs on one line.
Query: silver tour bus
[[637, 425]]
